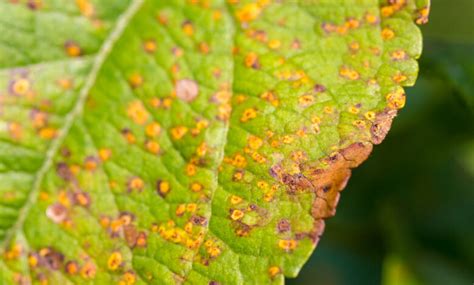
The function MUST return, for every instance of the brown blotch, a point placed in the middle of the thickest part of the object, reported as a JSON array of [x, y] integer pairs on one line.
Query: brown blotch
[[52, 258], [131, 234], [326, 178], [381, 125], [319, 88], [332, 179], [63, 171], [283, 226], [199, 220]]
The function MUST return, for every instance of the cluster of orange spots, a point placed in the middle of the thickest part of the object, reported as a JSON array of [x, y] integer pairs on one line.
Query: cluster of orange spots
[[222, 98], [395, 6], [183, 208], [86, 8], [137, 112], [342, 29], [251, 60], [13, 252], [201, 124], [258, 35], [349, 73], [254, 142], [299, 156], [248, 114], [257, 157], [298, 77], [212, 248], [123, 224], [202, 149], [135, 80], [270, 97], [51, 259], [21, 279], [238, 160], [149, 46], [135, 184], [174, 234], [72, 49], [178, 132], [161, 102], [269, 194], [188, 28], [114, 261], [398, 55], [287, 244], [387, 33], [249, 12], [396, 99], [273, 271]]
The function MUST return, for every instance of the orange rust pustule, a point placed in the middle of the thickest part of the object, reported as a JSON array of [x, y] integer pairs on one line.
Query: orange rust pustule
[[381, 125]]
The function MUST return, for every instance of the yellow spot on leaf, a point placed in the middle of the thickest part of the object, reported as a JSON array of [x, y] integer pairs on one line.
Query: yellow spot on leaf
[[248, 114], [114, 261], [236, 215], [137, 112], [287, 245]]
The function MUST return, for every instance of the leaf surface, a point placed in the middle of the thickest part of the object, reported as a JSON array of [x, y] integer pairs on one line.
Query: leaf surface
[[196, 142]]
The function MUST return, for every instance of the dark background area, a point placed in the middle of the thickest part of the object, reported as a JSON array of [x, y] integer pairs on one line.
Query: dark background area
[[407, 215]]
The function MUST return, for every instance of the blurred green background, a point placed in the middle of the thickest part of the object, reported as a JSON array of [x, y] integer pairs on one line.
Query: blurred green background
[[407, 215]]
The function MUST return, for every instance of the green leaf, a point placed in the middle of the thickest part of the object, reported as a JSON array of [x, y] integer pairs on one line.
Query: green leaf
[[197, 142]]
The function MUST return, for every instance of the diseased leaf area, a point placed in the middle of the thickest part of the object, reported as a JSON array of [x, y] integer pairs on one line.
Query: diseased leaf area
[[188, 142]]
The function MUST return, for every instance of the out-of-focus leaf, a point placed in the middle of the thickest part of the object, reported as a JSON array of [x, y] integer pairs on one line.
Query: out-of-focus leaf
[[198, 142], [454, 62], [395, 272]]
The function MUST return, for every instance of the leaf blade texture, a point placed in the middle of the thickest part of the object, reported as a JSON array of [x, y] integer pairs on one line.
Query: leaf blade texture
[[197, 142]]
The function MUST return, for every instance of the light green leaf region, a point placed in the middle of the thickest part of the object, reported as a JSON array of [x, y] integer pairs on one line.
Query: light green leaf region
[[188, 142]]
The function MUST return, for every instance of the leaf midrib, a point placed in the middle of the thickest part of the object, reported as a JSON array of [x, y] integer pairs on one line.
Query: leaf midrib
[[99, 60]]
